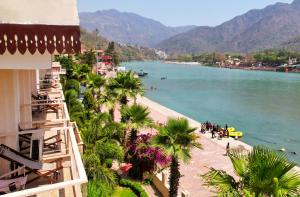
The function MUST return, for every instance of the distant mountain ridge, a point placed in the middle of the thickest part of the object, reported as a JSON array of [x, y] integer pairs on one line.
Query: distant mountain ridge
[[128, 28], [272, 27]]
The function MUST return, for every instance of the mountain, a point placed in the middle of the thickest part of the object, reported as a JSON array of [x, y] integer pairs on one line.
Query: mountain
[[126, 52], [128, 28], [293, 44], [256, 30]]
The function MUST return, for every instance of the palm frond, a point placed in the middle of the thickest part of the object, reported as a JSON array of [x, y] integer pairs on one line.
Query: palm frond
[[137, 116], [265, 165], [239, 161], [224, 183], [184, 154], [177, 138], [289, 184]]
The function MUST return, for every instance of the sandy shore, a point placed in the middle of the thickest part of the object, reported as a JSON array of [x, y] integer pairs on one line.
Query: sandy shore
[[211, 156]]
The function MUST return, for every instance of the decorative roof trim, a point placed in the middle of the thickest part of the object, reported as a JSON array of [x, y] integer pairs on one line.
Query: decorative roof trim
[[63, 39]]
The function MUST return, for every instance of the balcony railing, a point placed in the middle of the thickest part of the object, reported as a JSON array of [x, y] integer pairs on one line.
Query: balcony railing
[[70, 148], [78, 175]]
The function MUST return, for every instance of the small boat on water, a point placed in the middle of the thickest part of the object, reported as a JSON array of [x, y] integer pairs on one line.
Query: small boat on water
[[163, 78], [142, 73]]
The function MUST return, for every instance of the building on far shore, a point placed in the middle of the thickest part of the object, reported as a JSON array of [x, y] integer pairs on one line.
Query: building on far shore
[[39, 152], [104, 63]]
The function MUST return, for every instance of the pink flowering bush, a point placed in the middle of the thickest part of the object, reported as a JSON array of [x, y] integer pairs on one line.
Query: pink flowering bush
[[144, 157]]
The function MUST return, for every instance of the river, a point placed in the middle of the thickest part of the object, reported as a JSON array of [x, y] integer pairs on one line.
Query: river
[[264, 105]]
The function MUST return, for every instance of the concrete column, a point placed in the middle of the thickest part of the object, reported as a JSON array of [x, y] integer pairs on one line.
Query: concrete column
[[34, 82], [37, 76], [10, 112], [25, 85]]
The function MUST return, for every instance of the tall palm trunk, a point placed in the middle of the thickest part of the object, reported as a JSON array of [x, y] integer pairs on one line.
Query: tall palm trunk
[[124, 100], [133, 136], [124, 139], [112, 113], [174, 177]]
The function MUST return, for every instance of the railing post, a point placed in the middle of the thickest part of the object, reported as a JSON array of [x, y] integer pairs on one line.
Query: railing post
[[185, 194], [163, 177], [84, 190]]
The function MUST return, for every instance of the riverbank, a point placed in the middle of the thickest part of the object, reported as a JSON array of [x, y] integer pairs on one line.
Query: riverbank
[[250, 68], [160, 114], [211, 156], [256, 68], [185, 63], [252, 102]]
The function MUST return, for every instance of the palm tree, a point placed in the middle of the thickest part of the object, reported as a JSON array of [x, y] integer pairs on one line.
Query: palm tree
[[96, 170], [113, 131], [91, 131], [126, 85], [101, 127], [77, 74], [99, 134], [261, 172], [77, 113], [94, 83], [72, 84], [136, 117], [108, 99], [89, 101], [71, 96], [177, 139]]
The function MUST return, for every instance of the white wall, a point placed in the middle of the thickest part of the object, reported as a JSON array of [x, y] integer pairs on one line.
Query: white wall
[[26, 61], [47, 12]]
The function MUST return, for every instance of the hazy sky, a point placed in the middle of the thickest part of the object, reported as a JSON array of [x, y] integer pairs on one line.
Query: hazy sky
[[180, 12]]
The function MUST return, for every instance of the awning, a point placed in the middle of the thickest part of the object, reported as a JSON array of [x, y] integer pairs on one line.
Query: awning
[[106, 57], [39, 26]]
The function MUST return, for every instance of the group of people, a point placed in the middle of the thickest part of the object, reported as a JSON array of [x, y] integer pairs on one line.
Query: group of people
[[216, 130]]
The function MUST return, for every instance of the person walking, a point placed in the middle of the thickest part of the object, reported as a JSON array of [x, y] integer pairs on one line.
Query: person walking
[[227, 149], [213, 131], [226, 133]]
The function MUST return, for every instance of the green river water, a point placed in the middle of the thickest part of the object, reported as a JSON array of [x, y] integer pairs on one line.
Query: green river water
[[264, 105]]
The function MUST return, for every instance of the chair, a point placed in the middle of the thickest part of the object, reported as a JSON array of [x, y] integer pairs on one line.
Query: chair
[[10, 183], [39, 96], [46, 105], [35, 143], [39, 169]]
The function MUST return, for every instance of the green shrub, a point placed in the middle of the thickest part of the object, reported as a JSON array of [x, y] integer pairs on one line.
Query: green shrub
[[135, 187], [72, 84], [96, 188], [108, 163], [123, 192], [109, 150], [89, 101]]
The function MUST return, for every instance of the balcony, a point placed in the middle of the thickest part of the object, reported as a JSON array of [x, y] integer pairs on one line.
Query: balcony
[[50, 139]]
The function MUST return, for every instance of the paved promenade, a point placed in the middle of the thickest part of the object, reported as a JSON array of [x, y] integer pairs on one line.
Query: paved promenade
[[211, 156]]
